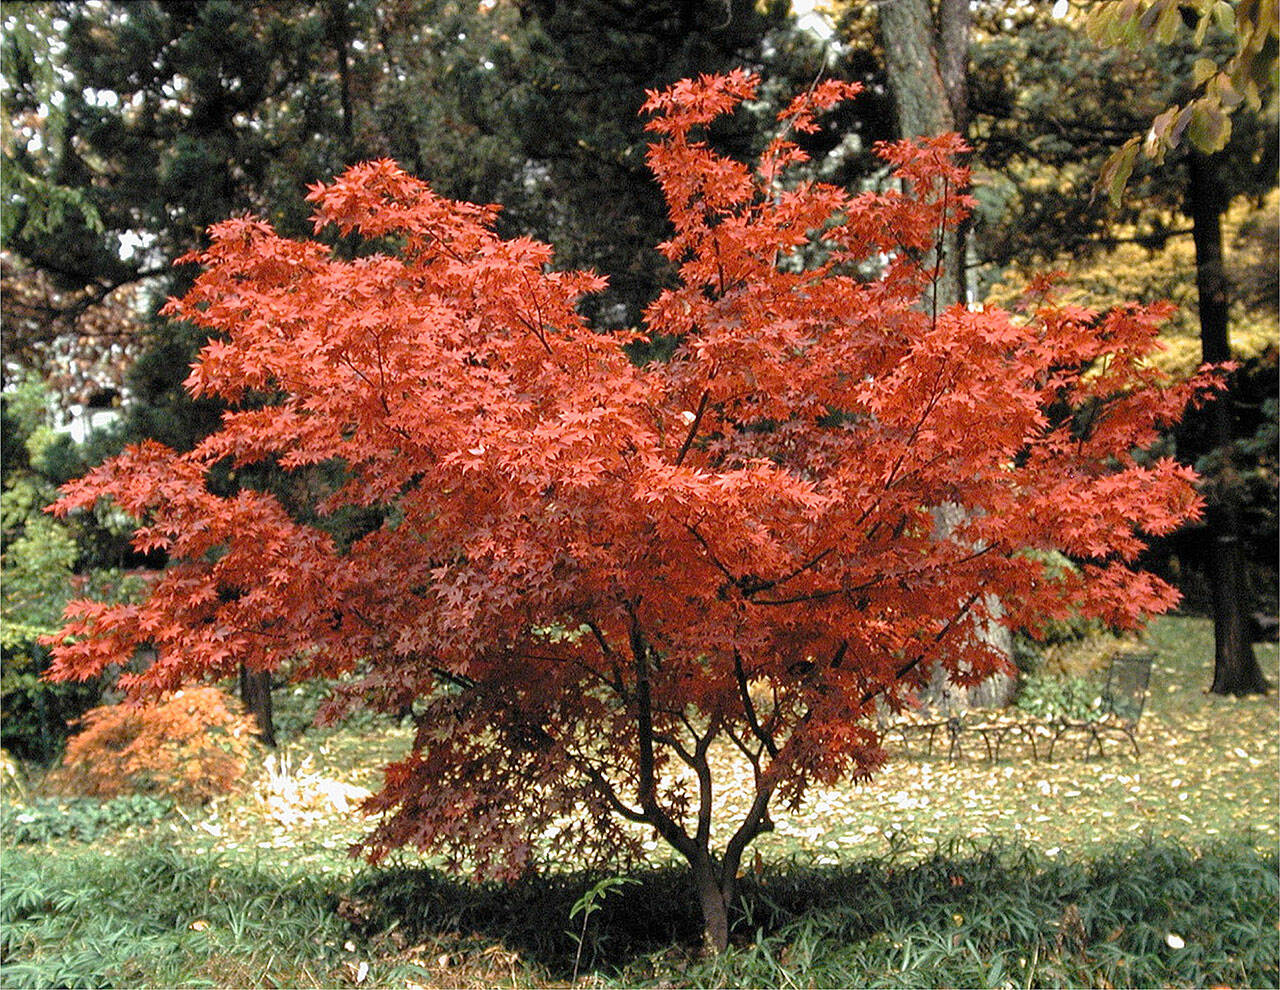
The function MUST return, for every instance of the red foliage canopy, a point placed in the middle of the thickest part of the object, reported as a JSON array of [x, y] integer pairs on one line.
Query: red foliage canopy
[[588, 571]]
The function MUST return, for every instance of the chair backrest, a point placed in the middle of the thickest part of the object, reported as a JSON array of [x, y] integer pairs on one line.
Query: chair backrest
[[1127, 681]]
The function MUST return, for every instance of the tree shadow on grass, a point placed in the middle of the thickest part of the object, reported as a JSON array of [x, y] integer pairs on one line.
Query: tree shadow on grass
[[532, 916], [1083, 919]]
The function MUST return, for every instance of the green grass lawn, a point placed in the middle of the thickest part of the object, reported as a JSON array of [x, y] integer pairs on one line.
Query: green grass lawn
[[1111, 871]]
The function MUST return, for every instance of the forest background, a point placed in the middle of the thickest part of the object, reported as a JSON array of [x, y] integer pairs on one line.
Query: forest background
[[130, 128]]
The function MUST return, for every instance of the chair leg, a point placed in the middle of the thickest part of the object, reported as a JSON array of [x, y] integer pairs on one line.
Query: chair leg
[[1028, 733], [1054, 741], [1129, 734], [1000, 734], [1095, 736]]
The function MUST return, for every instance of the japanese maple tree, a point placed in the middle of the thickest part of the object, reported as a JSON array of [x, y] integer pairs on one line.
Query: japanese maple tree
[[587, 575]]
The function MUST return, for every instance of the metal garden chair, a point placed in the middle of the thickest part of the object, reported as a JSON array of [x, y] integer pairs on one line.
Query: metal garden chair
[[1123, 699]]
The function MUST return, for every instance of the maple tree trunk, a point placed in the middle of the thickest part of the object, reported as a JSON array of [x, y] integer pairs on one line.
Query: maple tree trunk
[[717, 884], [255, 694], [714, 899], [1235, 666]]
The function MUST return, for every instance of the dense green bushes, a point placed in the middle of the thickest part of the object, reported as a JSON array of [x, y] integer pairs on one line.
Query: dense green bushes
[[1148, 915], [82, 819], [966, 917], [156, 918], [37, 582], [40, 559]]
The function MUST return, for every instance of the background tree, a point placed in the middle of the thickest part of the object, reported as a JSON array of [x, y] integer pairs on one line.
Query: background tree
[[926, 52], [1047, 73], [171, 122], [31, 38], [925, 48], [1246, 78], [1235, 668], [589, 573], [169, 115], [79, 343], [587, 66]]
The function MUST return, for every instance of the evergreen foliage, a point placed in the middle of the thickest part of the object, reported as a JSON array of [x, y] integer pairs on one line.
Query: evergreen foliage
[[41, 558]]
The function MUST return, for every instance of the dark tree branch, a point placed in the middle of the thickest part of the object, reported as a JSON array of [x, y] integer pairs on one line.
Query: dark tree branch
[[818, 596], [607, 792], [647, 784], [693, 427], [749, 708]]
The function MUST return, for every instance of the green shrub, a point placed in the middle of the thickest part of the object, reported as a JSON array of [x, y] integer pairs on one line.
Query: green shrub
[[1050, 697], [37, 584], [81, 819], [35, 712], [38, 556]]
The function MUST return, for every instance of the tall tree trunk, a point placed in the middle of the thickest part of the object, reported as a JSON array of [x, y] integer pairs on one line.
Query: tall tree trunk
[[915, 74], [255, 694], [927, 58], [340, 37], [954, 23], [928, 66], [1235, 667]]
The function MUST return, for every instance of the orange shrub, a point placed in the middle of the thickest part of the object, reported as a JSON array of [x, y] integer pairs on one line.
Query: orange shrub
[[191, 746]]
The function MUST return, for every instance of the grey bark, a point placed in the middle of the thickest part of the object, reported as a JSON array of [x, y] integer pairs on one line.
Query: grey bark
[[998, 689], [927, 59], [911, 44]]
